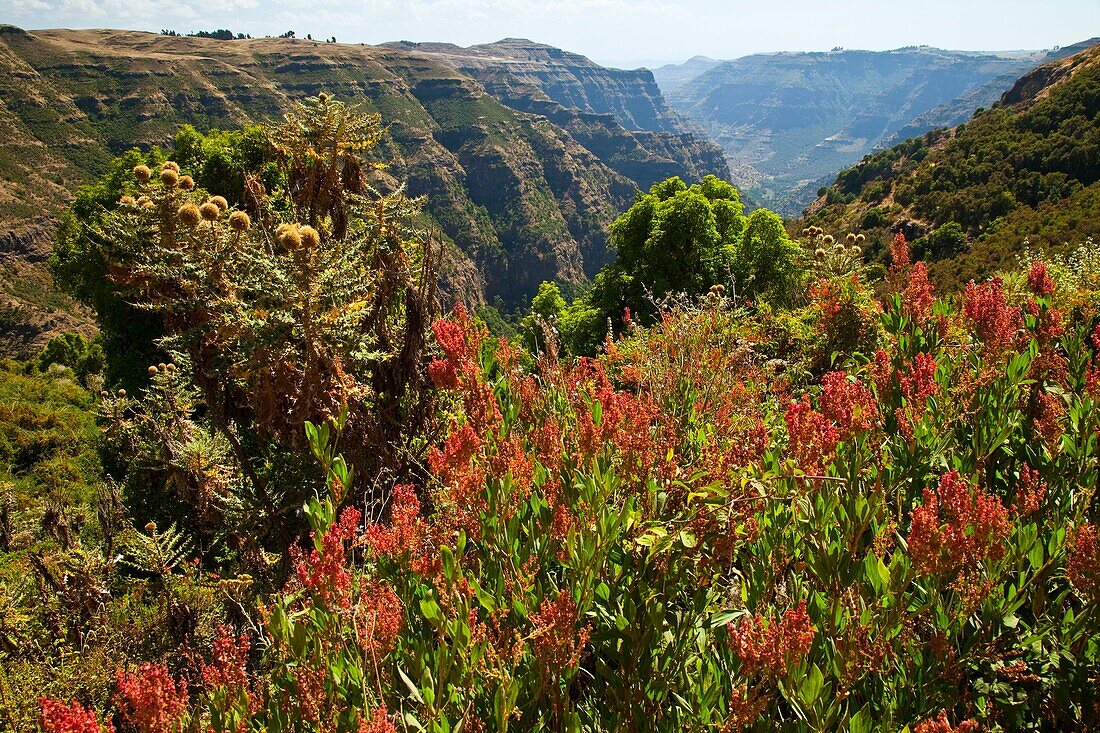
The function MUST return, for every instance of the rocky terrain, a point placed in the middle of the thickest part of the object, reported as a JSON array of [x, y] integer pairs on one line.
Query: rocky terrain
[[522, 190]]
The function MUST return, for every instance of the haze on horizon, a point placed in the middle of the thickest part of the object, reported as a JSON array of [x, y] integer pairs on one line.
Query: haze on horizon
[[625, 33]]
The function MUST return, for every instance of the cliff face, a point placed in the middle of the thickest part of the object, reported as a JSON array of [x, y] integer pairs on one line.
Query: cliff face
[[523, 191], [619, 115], [788, 121]]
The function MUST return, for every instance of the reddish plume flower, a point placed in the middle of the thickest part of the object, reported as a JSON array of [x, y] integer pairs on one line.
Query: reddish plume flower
[[994, 321], [920, 383], [772, 647], [882, 373], [57, 717], [406, 539], [1083, 561], [378, 618], [955, 527], [462, 475], [151, 700], [1039, 280], [324, 573], [230, 661], [556, 641], [1047, 418], [918, 298], [813, 436], [899, 254], [378, 722], [849, 404], [1029, 492], [940, 724]]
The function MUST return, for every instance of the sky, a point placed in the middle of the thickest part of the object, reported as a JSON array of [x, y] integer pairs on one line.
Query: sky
[[624, 33]]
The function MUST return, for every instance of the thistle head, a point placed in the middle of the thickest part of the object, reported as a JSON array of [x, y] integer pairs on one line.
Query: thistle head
[[142, 173], [170, 165], [857, 250], [851, 238], [189, 214], [310, 237], [187, 183], [220, 202], [210, 211], [239, 221], [169, 178], [819, 253], [153, 371], [288, 236]]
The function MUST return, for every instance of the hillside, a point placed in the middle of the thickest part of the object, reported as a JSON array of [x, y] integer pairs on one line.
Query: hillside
[[788, 121], [520, 196], [1025, 171]]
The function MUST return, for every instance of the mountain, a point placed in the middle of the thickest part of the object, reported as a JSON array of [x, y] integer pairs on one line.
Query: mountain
[[788, 121], [620, 115], [671, 77], [1024, 173], [522, 191]]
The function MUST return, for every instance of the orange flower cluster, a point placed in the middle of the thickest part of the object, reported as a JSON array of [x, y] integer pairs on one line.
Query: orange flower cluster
[[956, 527], [230, 661], [556, 641], [1083, 561], [57, 717], [151, 700], [324, 573], [847, 408], [940, 724], [407, 538], [994, 321], [772, 648]]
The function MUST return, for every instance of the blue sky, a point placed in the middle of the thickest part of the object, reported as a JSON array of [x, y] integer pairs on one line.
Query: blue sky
[[621, 32]]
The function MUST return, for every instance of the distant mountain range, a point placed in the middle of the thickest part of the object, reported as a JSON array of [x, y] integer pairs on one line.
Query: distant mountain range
[[525, 153], [1022, 174], [788, 121]]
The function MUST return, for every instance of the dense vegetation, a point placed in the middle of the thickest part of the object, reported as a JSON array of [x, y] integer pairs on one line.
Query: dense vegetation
[[1027, 170], [771, 501]]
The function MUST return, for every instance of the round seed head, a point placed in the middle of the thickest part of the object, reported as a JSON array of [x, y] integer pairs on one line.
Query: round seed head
[[860, 238], [187, 183], [104, 394], [142, 172], [148, 204], [153, 371], [323, 97], [288, 236], [170, 165], [121, 393], [220, 202], [162, 367], [126, 201], [819, 253], [169, 177], [189, 214], [828, 239], [806, 232], [151, 527], [143, 200], [210, 211], [851, 238], [239, 221], [170, 368], [310, 237], [857, 250]]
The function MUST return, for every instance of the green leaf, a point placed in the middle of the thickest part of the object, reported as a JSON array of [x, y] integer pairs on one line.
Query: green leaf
[[811, 686], [412, 687]]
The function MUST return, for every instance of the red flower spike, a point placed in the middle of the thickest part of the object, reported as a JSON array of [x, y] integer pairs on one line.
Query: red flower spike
[[939, 724], [772, 647], [57, 717], [151, 700]]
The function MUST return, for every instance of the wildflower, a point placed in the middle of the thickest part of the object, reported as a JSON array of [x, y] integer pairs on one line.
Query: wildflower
[[151, 700], [239, 221], [939, 724], [899, 254], [220, 202], [556, 642], [956, 527], [917, 299], [210, 211], [849, 404], [324, 573], [1029, 492], [812, 435], [772, 647], [920, 383], [187, 183], [379, 618], [1039, 281], [995, 322], [57, 717], [1047, 418], [230, 661], [379, 722], [189, 214], [169, 178], [142, 173], [1083, 561]]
